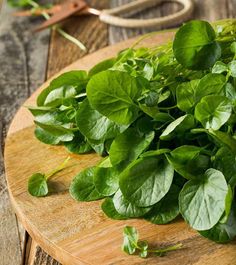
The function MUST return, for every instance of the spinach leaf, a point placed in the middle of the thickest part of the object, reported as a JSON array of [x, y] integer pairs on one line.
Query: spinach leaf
[[167, 209], [147, 180], [202, 200], [213, 111], [129, 145], [195, 45], [82, 186], [114, 94]]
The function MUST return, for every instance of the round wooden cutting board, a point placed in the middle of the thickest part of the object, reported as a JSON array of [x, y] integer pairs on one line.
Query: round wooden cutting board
[[78, 233]]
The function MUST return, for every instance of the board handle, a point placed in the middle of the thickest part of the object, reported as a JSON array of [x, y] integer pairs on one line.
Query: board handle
[[111, 16]]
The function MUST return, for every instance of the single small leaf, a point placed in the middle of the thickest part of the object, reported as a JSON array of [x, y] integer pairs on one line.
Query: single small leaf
[[219, 68], [188, 161], [213, 111], [37, 185], [130, 242], [143, 251], [75, 79], [113, 94], [147, 180], [210, 84], [195, 46], [94, 125], [82, 187], [102, 66], [129, 145], [110, 210], [185, 94], [126, 208], [180, 125], [106, 180], [202, 201]]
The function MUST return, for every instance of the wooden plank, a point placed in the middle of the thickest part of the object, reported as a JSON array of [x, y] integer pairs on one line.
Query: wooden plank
[[22, 69], [87, 29]]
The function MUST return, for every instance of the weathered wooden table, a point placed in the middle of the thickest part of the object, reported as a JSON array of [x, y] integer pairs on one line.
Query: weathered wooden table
[[26, 60]]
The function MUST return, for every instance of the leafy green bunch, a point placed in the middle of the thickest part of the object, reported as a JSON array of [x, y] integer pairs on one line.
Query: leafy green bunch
[[164, 118]]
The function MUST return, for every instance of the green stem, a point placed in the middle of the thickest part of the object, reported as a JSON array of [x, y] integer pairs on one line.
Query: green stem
[[164, 250], [167, 108], [58, 29], [71, 38], [58, 169]]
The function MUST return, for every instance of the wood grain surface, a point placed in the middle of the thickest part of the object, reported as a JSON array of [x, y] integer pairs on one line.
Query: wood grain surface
[[31, 53]]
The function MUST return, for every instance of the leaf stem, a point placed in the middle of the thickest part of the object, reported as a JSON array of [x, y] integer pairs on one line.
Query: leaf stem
[[58, 169], [58, 29], [167, 249]]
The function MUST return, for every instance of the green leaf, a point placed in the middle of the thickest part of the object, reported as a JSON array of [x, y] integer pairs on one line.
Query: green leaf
[[213, 111], [94, 125], [60, 133], [130, 242], [82, 187], [155, 152], [126, 208], [210, 84], [114, 94], [202, 201], [143, 249], [195, 47], [233, 47], [178, 126], [185, 94], [167, 209], [223, 233], [110, 210], [147, 180], [129, 145], [106, 180], [78, 145], [46, 137], [188, 162], [75, 80], [224, 139], [232, 68], [102, 66], [219, 68], [37, 185], [225, 161]]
